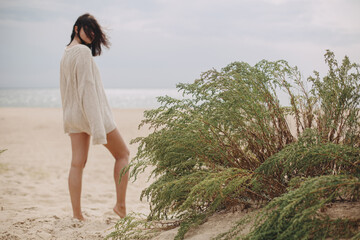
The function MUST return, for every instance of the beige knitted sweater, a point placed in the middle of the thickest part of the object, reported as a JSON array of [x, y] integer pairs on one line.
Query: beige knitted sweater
[[84, 103]]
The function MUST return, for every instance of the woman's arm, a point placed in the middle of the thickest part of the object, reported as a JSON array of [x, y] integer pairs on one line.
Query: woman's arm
[[89, 97]]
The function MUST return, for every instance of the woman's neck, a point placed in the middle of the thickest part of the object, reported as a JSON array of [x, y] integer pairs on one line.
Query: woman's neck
[[74, 42]]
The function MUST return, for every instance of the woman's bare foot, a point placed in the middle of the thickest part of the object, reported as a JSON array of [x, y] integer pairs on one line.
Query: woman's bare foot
[[80, 217], [120, 210]]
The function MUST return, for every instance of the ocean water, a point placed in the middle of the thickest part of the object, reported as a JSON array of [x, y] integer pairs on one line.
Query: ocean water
[[118, 98]]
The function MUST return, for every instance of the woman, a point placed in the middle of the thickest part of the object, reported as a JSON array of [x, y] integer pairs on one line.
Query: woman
[[86, 111]]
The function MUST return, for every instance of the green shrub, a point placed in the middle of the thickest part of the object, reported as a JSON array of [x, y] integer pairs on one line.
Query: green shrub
[[306, 158], [298, 213], [134, 226], [229, 141]]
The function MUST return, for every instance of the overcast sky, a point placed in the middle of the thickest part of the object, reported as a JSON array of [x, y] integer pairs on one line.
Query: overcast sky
[[158, 43]]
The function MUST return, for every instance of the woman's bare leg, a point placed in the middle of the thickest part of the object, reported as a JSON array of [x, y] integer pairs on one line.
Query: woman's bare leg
[[117, 147], [80, 148]]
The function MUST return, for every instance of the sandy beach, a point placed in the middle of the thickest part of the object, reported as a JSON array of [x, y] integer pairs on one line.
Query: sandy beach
[[34, 195], [34, 198]]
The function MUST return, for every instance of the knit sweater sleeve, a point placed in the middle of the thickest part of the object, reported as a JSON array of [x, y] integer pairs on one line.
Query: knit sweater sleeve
[[89, 99]]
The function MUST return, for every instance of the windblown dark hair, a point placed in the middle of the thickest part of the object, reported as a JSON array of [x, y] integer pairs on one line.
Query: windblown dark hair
[[90, 25]]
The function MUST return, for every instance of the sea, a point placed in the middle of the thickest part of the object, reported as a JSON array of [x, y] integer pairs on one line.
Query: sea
[[118, 98]]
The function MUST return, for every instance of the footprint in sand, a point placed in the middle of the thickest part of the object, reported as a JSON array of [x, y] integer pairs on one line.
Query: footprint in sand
[[8, 236], [77, 225], [109, 213], [111, 220], [30, 208], [44, 195], [107, 195], [96, 200]]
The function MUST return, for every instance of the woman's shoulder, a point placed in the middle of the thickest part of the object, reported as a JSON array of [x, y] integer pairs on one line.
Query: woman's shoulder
[[79, 49], [76, 46]]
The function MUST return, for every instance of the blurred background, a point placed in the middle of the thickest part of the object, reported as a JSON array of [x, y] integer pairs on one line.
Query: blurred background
[[159, 43]]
